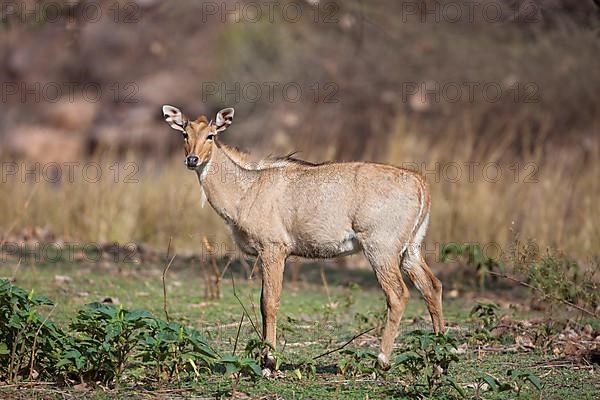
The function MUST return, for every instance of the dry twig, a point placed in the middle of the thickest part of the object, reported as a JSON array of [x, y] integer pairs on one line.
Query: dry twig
[[546, 295], [165, 288], [344, 345], [244, 307], [35, 342]]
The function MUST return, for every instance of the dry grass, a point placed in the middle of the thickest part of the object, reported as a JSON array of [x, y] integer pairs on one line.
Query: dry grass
[[551, 199], [556, 206], [164, 201], [369, 57]]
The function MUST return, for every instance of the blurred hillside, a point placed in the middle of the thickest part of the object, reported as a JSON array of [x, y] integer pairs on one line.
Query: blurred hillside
[[79, 76], [423, 84]]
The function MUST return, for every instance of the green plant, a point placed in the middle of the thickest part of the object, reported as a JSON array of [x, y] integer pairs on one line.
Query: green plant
[[372, 318], [515, 383], [105, 337], [486, 313], [240, 365], [426, 359], [306, 367], [257, 348], [546, 333], [105, 343], [559, 278], [170, 348], [249, 363], [348, 298], [29, 343], [287, 326], [357, 362], [473, 257], [108, 339]]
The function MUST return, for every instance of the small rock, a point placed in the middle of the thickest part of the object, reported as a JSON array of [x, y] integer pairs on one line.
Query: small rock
[[62, 279]]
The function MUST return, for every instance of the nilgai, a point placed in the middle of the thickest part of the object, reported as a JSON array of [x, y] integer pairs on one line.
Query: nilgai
[[277, 207]]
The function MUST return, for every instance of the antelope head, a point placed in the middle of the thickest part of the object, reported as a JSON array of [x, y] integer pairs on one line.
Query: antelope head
[[199, 134]]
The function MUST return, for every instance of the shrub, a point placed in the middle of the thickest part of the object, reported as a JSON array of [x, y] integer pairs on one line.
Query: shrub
[[515, 382], [104, 339], [105, 342], [473, 257], [29, 343], [426, 359], [171, 348], [357, 362], [557, 277]]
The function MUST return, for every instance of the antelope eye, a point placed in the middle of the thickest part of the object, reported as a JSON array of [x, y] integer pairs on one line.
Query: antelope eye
[[210, 137], [185, 135]]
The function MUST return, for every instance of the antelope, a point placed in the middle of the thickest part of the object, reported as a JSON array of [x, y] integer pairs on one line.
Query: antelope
[[278, 207]]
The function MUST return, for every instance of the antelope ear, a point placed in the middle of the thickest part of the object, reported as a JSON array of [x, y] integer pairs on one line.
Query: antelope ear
[[224, 119], [175, 118]]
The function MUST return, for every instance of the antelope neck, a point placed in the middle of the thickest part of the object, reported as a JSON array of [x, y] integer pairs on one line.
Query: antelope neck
[[225, 182]]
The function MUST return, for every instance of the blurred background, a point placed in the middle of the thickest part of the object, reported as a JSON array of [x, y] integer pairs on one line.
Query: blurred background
[[495, 102]]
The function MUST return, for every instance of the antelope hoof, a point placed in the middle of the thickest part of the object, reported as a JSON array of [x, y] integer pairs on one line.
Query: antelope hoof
[[382, 362]]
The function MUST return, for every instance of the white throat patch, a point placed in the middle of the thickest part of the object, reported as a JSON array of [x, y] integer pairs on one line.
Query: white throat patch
[[202, 176], [202, 197]]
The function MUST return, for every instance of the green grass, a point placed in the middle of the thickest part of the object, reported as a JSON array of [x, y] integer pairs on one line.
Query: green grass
[[313, 319]]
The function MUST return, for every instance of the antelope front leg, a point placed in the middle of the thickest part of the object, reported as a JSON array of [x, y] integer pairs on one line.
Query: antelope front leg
[[272, 283]]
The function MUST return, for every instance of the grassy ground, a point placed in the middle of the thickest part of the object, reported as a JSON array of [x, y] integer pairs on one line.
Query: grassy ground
[[314, 318]]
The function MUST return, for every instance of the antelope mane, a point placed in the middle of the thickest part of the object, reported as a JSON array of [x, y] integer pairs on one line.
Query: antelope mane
[[246, 160]]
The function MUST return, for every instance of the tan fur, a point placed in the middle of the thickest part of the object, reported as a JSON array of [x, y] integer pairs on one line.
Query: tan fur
[[281, 207]]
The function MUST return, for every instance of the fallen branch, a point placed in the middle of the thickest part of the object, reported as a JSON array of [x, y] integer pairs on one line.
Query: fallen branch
[[344, 345]]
